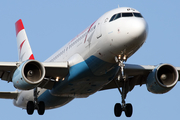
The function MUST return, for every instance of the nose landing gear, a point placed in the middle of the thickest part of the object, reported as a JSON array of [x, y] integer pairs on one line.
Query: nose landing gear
[[118, 108]]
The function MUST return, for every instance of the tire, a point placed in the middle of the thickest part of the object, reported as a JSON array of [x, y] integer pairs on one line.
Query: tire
[[117, 109], [128, 110], [30, 107], [41, 109]]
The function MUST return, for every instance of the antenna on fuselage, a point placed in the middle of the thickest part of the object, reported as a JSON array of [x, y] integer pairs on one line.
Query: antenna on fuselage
[[118, 6]]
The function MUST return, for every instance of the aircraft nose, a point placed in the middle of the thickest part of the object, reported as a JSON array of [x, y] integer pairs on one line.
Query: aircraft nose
[[138, 29]]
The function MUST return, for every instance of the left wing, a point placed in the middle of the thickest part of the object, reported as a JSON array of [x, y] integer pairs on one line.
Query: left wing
[[7, 69], [52, 71]]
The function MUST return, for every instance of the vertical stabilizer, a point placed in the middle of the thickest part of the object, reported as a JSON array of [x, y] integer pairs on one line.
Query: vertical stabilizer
[[24, 48]]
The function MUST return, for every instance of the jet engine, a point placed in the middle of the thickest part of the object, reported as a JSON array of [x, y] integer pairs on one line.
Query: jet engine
[[162, 79], [28, 75]]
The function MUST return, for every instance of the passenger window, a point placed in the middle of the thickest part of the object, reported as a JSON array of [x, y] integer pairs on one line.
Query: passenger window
[[127, 14], [137, 15]]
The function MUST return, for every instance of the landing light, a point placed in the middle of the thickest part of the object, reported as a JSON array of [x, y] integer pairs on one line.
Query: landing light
[[119, 57], [57, 79], [124, 58]]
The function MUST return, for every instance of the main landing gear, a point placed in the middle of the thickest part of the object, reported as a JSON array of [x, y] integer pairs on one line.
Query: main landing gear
[[32, 105], [118, 108]]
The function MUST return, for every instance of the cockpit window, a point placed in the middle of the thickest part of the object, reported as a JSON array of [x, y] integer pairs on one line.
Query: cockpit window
[[127, 14], [137, 15], [112, 18], [119, 15]]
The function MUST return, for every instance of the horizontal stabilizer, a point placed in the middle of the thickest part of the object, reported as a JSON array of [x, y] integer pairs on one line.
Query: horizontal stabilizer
[[9, 95]]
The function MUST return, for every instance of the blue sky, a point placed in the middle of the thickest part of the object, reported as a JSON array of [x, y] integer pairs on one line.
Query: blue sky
[[50, 24]]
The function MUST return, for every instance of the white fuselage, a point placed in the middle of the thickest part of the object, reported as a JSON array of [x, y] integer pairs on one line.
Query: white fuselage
[[100, 43]]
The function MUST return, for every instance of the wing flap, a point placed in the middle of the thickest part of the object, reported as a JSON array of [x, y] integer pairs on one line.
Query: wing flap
[[5, 76], [7, 69]]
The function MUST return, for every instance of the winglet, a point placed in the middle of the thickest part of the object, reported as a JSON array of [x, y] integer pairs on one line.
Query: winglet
[[24, 49]]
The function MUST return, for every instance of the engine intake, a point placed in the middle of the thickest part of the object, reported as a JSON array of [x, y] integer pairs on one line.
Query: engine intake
[[28, 75], [162, 79]]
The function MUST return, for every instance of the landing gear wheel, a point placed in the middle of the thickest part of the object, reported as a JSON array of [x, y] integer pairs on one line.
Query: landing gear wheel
[[128, 110], [117, 109], [41, 109], [30, 107]]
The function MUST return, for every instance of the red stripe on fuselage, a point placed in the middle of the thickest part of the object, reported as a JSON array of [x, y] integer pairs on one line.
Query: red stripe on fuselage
[[19, 26], [88, 31]]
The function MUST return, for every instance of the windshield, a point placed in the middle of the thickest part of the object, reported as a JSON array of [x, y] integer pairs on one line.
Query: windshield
[[121, 15]]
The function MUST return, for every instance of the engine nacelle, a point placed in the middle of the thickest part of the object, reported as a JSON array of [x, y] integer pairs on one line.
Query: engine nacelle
[[162, 79], [28, 75]]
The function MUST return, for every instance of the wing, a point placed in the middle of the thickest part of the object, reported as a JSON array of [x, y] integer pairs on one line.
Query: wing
[[137, 75], [7, 69], [53, 69]]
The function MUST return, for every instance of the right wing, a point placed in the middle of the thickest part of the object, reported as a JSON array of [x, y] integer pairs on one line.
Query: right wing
[[139, 74]]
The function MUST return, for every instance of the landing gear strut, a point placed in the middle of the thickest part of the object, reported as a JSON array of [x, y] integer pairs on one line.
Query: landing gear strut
[[118, 108], [32, 105]]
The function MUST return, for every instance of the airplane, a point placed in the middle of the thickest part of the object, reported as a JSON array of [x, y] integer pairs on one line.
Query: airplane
[[93, 61]]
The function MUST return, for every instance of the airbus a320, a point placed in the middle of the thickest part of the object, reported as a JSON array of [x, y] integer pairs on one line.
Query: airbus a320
[[93, 61]]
